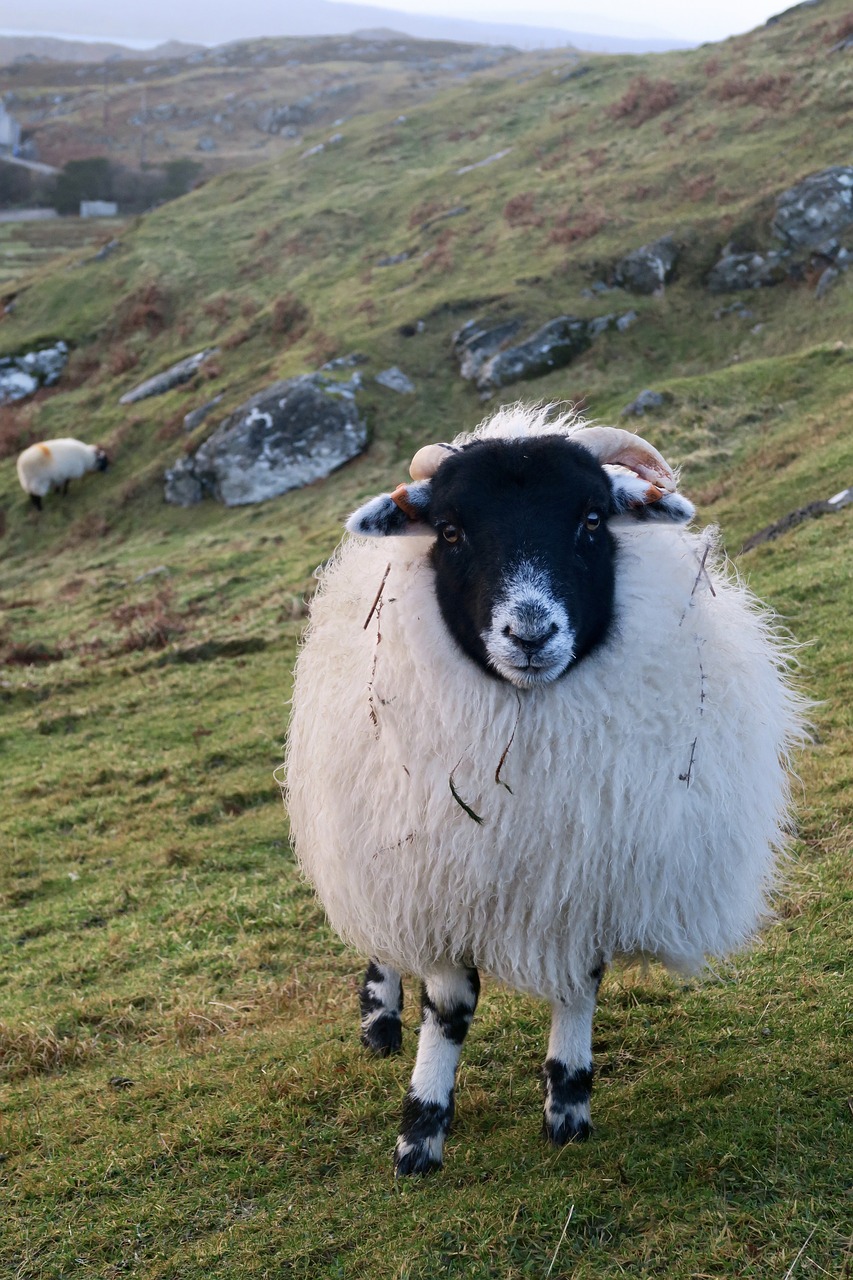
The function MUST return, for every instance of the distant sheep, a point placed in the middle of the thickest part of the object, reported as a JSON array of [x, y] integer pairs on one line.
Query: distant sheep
[[545, 730], [53, 463]]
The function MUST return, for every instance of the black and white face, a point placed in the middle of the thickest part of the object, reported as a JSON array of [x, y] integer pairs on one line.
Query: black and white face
[[524, 562]]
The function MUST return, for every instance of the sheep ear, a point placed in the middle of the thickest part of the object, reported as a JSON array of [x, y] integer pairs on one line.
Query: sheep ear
[[394, 514], [636, 497]]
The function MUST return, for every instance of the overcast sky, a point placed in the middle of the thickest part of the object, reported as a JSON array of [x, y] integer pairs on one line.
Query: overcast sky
[[701, 21], [212, 21]]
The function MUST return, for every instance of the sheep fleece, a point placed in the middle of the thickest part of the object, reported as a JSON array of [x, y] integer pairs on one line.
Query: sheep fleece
[[639, 800]]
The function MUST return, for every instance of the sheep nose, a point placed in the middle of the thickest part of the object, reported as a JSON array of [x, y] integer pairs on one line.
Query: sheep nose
[[530, 639]]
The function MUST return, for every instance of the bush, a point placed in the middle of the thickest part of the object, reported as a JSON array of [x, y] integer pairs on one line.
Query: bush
[[644, 99]]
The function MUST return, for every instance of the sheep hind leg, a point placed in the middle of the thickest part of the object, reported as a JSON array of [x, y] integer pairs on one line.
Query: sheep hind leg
[[567, 1073], [380, 1000], [448, 1002]]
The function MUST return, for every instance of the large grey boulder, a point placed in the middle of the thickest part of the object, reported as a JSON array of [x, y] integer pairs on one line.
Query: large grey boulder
[[553, 346], [648, 268], [817, 209], [286, 436], [174, 376]]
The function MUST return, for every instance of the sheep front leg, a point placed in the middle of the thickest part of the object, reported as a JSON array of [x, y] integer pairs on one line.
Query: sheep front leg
[[448, 1002], [380, 1000], [567, 1074]]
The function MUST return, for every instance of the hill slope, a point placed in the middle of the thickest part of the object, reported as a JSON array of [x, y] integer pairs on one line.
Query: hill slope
[[184, 1094]]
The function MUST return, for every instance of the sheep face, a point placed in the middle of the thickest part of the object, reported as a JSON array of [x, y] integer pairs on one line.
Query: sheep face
[[523, 558]]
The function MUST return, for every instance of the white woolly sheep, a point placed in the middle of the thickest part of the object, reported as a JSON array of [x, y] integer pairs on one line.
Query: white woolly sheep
[[550, 731], [51, 464]]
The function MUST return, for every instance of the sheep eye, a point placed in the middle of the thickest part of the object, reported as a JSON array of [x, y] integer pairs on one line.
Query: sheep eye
[[450, 533], [592, 520]]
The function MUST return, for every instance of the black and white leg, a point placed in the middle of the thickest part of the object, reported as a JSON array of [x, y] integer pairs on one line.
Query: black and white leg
[[567, 1074], [448, 1002], [380, 1000]]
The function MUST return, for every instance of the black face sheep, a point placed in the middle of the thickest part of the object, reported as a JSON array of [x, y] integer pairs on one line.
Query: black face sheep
[[546, 731], [51, 464]]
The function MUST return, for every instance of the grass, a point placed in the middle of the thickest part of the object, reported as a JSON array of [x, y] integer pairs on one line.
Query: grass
[[182, 1093]]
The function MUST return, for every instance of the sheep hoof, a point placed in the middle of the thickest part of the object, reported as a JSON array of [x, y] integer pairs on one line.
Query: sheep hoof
[[565, 1130], [384, 1036], [416, 1157]]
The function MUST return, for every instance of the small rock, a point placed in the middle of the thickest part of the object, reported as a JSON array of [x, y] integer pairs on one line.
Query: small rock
[[395, 380], [553, 346], [478, 340], [196, 417], [644, 403], [624, 322], [393, 259], [826, 281], [174, 376]]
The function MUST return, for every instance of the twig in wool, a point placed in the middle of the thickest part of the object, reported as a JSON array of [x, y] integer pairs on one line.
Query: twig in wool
[[498, 777], [685, 777], [456, 796], [377, 596]]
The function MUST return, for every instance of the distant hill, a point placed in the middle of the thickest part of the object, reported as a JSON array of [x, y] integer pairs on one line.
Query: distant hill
[[55, 49]]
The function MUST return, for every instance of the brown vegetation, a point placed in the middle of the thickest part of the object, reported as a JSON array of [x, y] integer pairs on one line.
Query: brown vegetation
[[643, 100]]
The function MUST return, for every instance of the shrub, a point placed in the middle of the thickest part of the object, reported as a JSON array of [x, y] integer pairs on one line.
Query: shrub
[[520, 211], [571, 228], [290, 317], [644, 99]]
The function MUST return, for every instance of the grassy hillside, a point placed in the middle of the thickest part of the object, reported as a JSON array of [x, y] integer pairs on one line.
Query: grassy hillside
[[183, 1094]]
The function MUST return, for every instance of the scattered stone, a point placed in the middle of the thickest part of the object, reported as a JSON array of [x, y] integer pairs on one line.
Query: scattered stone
[[176, 374], [624, 322], [553, 346], [395, 380], [601, 324], [393, 259], [649, 268], [156, 572], [344, 362], [286, 436], [737, 271], [738, 308], [816, 209], [646, 402], [481, 164], [21, 376], [106, 251], [313, 151], [196, 417], [822, 507], [206, 143]]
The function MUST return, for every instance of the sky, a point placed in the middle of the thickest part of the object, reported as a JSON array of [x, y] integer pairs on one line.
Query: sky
[[698, 22]]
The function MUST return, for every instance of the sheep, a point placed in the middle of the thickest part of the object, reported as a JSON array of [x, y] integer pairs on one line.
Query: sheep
[[51, 464], [537, 726]]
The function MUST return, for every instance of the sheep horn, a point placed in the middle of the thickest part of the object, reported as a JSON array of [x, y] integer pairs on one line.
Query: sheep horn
[[612, 444], [428, 459]]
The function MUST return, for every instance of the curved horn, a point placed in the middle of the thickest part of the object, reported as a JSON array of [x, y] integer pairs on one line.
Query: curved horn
[[428, 459], [612, 444]]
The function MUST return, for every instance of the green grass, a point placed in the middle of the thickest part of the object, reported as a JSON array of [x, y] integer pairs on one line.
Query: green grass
[[182, 1093]]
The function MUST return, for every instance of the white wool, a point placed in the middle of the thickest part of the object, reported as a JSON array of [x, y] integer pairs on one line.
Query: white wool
[[645, 791], [52, 462]]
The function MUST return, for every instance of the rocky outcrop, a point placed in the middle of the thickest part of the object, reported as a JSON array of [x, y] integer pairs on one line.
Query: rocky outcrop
[[737, 271], [816, 210], [174, 376], [649, 268], [489, 359], [21, 376], [478, 340], [810, 220], [286, 436]]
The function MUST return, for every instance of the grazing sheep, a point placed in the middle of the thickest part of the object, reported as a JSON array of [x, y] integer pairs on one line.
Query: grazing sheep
[[53, 463], [547, 730]]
